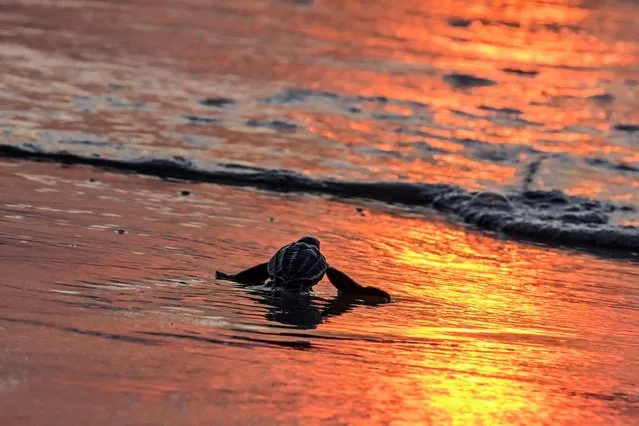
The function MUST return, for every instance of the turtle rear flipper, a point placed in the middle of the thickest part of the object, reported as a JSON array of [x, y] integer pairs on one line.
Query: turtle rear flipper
[[254, 275], [347, 285]]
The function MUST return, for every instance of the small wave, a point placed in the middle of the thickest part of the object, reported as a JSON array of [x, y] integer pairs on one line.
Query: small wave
[[292, 96], [195, 119], [603, 98], [625, 127], [218, 102], [272, 124], [508, 111], [85, 332], [520, 72], [467, 80], [551, 217]]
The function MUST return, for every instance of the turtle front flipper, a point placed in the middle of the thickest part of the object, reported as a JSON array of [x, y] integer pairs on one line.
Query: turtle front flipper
[[254, 275], [346, 284]]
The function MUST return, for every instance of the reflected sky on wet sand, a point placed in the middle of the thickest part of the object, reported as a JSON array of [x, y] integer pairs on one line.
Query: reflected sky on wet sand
[[109, 313], [115, 308]]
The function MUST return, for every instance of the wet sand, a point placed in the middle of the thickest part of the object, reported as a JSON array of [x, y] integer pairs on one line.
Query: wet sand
[[109, 313]]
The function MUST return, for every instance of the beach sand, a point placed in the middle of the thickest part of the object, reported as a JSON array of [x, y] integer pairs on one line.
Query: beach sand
[[110, 314], [391, 130]]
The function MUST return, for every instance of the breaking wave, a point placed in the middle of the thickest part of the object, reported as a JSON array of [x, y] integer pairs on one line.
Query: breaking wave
[[551, 217]]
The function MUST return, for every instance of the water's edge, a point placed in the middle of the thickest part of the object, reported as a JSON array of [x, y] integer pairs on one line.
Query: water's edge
[[550, 217]]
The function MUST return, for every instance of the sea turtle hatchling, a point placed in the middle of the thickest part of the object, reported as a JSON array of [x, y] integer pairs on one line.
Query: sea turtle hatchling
[[298, 267]]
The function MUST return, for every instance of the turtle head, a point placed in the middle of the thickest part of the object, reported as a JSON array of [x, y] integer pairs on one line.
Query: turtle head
[[310, 240]]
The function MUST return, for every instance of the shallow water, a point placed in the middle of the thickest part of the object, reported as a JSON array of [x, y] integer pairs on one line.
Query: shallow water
[[509, 98], [108, 310], [448, 92], [112, 307]]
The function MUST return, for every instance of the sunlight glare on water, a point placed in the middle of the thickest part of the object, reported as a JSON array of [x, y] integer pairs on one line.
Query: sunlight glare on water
[[481, 94], [109, 312], [480, 331]]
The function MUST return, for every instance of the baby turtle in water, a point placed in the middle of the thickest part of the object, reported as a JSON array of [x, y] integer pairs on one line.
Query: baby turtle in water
[[298, 267]]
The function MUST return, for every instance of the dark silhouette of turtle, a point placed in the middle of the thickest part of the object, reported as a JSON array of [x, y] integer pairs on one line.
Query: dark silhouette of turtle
[[297, 267], [305, 310]]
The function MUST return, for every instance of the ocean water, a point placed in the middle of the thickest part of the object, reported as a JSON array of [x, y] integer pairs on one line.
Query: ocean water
[[477, 159], [508, 98]]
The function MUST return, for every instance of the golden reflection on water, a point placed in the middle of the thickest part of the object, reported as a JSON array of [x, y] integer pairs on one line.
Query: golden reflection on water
[[476, 399], [486, 394], [482, 330], [511, 31], [511, 312], [488, 331], [399, 50], [562, 43]]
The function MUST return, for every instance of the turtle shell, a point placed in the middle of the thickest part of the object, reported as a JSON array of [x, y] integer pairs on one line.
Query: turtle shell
[[297, 264]]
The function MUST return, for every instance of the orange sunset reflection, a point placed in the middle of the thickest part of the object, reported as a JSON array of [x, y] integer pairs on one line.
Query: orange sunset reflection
[[245, 97], [554, 102], [504, 338]]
